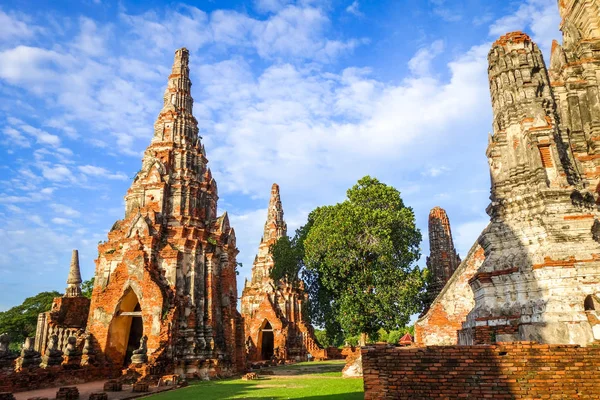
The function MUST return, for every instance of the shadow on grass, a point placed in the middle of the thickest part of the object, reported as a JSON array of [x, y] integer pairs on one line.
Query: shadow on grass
[[307, 368]]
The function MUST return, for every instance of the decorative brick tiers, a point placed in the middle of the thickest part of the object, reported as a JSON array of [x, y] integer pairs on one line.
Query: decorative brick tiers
[[519, 370]]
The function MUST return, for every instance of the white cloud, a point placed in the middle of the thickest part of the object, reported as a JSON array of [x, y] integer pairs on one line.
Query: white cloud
[[61, 221], [353, 9], [446, 13], [539, 17], [15, 138], [435, 171], [57, 172], [64, 210], [32, 67], [270, 5], [293, 119], [92, 170], [91, 40], [36, 219], [13, 26], [420, 64]]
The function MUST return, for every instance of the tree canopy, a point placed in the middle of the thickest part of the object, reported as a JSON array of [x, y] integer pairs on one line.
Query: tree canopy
[[20, 321], [357, 259], [87, 287]]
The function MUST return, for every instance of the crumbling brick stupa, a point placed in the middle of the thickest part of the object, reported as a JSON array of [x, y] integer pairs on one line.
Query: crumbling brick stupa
[[167, 272], [443, 258], [273, 311], [540, 276], [449, 297]]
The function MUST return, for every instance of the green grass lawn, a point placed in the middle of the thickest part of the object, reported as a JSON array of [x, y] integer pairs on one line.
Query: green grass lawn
[[314, 380]]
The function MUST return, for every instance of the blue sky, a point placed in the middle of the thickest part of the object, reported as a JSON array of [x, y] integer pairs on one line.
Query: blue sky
[[311, 94]]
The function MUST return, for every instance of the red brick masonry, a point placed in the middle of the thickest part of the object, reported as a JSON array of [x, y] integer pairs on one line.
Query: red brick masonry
[[520, 370]]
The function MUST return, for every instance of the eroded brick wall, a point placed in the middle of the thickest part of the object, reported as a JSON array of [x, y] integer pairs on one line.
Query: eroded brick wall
[[520, 370]]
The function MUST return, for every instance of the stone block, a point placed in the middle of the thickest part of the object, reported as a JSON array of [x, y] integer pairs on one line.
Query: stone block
[[113, 386], [67, 393], [140, 387], [99, 396], [6, 396], [250, 376], [169, 380]]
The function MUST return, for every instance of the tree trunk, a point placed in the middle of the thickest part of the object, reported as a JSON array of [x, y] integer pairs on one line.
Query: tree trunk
[[363, 339]]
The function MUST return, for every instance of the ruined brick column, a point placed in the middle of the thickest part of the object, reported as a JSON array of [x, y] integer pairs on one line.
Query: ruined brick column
[[541, 258], [168, 269], [443, 259], [275, 326]]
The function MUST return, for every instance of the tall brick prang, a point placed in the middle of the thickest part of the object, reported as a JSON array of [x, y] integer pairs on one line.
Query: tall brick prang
[[443, 259], [273, 311], [168, 269]]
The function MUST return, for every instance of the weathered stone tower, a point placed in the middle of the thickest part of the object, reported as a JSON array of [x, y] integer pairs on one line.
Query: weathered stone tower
[[443, 259], [542, 255], [168, 269], [273, 311]]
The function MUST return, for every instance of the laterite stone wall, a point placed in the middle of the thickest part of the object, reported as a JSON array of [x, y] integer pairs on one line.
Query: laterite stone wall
[[520, 370]]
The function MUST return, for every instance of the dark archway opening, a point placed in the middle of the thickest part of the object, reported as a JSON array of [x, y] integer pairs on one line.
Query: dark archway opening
[[135, 335], [267, 342], [591, 304]]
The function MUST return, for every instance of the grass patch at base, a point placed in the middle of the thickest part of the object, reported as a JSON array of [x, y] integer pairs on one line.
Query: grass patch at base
[[316, 381], [269, 388]]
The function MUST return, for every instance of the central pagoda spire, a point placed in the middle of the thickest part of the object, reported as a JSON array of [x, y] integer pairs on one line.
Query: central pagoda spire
[[275, 226], [174, 178], [171, 259], [178, 104]]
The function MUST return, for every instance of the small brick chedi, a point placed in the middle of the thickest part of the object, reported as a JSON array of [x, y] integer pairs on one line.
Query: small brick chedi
[[273, 311], [540, 276], [168, 270], [68, 315]]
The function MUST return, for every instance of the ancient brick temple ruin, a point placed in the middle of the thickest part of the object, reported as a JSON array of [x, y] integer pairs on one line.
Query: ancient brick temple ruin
[[540, 276], [168, 269], [273, 311], [443, 259], [165, 293], [531, 282]]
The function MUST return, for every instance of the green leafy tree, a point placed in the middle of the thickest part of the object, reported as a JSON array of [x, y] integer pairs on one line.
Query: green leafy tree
[[20, 321], [357, 259], [288, 255], [87, 287]]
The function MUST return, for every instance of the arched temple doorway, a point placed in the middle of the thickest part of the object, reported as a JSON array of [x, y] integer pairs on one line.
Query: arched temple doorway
[[126, 329], [267, 341]]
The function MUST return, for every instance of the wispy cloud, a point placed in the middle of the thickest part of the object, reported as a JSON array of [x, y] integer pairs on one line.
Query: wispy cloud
[[448, 14], [354, 9], [92, 170]]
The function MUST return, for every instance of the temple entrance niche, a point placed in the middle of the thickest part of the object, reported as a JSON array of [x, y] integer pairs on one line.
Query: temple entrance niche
[[126, 329], [267, 341]]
